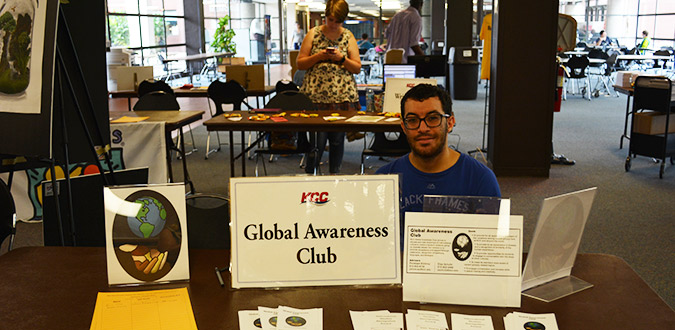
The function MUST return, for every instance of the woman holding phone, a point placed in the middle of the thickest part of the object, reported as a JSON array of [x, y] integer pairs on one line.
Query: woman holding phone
[[331, 57]]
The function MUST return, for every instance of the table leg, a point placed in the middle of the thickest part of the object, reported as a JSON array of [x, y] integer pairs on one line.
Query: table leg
[[168, 154], [231, 154], [243, 154], [625, 123], [186, 176]]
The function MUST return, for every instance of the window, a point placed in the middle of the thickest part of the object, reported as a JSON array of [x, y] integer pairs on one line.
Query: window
[[152, 29]]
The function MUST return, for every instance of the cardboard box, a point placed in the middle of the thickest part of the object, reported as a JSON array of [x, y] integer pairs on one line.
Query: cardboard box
[[252, 77], [122, 78], [227, 61], [626, 78], [653, 122]]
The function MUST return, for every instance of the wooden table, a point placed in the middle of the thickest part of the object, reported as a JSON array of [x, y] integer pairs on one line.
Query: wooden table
[[294, 124], [172, 120], [629, 93], [55, 288], [194, 92]]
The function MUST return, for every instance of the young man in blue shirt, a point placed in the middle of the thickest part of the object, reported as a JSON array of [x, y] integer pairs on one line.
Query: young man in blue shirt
[[431, 167]]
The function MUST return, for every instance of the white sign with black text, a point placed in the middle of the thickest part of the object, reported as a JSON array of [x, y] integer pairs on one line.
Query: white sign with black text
[[463, 259], [325, 230]]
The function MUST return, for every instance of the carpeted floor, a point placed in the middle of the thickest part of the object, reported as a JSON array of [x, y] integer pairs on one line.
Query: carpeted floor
[[632, 217]]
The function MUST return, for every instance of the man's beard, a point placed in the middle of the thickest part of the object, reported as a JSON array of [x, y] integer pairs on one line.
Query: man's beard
[[428, 154]]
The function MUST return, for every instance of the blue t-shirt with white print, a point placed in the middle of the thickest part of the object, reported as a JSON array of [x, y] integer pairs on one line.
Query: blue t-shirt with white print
[[467, 177]]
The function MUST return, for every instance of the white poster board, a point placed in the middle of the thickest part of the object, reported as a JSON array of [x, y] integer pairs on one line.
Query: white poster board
[[146, 234], [557, 236], [318, 230], [462, 259], [396, 88]]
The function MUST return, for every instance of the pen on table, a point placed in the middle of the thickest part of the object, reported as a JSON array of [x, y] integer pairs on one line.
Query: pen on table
[[220, 278]]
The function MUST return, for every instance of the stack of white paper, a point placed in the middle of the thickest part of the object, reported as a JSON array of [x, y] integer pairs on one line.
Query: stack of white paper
[[471, 322], [282, 317], [519, 321], [376, 320], [426, 320]]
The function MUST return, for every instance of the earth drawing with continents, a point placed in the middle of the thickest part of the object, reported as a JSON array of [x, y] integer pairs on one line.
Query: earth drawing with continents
[[150, 219], [147, 244]]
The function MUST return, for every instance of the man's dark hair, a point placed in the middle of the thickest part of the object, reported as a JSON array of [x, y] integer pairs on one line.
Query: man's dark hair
[[364, 36], [422, 92], [416, 3]]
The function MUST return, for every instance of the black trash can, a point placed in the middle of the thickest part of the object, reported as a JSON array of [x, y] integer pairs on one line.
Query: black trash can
[[464, 73]]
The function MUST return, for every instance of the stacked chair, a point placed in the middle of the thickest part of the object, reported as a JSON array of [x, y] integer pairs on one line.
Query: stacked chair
[[222, 93], [576, 70]]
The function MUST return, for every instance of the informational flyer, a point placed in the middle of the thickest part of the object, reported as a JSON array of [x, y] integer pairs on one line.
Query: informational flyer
[[376, 320], [471, 322], [426, 320], [289, 318], [323, 230], [462, 259], [518, 321]]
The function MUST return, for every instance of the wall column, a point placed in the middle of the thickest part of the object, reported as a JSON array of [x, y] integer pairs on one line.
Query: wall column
[[522, 87]]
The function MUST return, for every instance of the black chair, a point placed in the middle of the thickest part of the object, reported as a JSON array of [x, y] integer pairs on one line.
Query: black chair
[[147, 86], [221, 93], [600, 70], [157, 100], [7, 215], [167, 68], [287, 100], [576, 70], [382, 146], [208, 221], [661, 52], [286, 85]]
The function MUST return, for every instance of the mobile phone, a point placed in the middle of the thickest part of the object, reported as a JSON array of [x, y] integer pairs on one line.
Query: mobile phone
[[331, 49]]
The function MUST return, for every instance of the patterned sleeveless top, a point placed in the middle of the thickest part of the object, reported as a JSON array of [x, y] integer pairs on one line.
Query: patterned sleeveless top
[[327, 82]]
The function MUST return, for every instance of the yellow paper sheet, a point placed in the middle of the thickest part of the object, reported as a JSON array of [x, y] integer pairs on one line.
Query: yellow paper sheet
[[159, 309], [127, 119]]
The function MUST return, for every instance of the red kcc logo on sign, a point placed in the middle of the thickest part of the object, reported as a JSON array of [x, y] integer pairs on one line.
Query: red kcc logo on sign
[[314, 197]]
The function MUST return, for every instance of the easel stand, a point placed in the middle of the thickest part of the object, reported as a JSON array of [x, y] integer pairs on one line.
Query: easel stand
[[483, 150], [64, 79]]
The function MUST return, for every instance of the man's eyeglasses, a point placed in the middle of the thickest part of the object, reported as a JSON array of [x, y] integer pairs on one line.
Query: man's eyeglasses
[[432, 120]]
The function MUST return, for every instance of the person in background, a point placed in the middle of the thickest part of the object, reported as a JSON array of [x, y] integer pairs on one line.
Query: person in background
[[645, 43], [364, 43], [405, 30], [298, 35], [431, 167], [331, 57], [602, 40]]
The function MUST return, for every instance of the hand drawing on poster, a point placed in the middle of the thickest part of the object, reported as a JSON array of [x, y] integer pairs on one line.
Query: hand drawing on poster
[[22, 35]]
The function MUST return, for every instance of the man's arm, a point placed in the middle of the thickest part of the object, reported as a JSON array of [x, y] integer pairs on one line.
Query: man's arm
[[417, 49]]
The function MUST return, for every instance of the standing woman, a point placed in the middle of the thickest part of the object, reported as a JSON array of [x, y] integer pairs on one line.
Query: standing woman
[[331, 57]]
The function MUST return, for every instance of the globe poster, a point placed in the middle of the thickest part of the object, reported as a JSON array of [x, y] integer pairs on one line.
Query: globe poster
[[146, 234]]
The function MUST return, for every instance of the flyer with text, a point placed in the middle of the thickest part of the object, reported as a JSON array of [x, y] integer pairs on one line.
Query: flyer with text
[[462, 259]]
